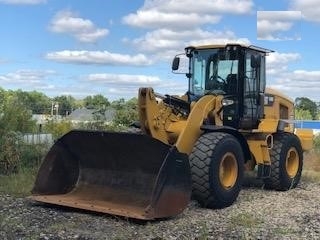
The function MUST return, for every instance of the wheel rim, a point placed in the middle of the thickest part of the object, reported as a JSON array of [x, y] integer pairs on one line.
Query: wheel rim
[[228, 171], [292, 162]]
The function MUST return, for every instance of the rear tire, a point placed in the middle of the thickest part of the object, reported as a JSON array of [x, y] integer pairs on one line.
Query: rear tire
[[217, 165], [286, 162]]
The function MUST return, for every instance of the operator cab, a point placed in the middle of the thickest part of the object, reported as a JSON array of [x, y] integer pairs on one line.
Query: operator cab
[[235, 71]]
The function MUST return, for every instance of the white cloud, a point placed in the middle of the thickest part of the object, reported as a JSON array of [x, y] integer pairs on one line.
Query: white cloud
[[294, 83], [155, 19], [300, 78], [279, 15], [186, 14], [98, 57], [201, 6], [132, 91], [310, 9], [299, 83], [23, 2], [162, 39], [83, 30], [27, 78], [26, 75], [175, 24], [166, 42], [127, 86], [278, 62], [274, 25], [119, 79]]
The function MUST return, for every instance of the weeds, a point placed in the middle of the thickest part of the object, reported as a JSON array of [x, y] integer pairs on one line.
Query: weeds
[[19, 175], [245, 220], [9, 152], [284, 231], [204, 232], [316, 141], [18, 184]]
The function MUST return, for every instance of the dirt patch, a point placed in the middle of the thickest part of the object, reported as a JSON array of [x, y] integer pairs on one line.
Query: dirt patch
[[312, 160]]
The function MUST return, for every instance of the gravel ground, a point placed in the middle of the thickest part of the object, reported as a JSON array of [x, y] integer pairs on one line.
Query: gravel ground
[[257, 214]]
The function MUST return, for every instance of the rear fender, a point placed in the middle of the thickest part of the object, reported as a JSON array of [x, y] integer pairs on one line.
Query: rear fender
[[306, 138]]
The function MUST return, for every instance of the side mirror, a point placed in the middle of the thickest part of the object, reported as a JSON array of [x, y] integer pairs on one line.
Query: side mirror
[[175, 64]]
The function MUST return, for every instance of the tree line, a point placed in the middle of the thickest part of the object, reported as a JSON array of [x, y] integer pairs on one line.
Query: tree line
[[39, 103], [17, 108]]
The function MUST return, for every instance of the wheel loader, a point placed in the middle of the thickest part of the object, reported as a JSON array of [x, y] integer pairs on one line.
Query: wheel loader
[[196, 146]]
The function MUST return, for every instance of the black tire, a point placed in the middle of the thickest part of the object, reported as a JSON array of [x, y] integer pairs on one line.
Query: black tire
[[212, 153], [286, 162]]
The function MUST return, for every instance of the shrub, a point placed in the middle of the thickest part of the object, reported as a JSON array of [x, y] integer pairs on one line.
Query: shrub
[[58, 129], [16, 155], [32, 155], [18, 184], [9, 152]]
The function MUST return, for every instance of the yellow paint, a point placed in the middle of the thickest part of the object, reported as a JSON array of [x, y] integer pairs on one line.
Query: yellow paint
[[292, 162], [171, 127], [228, 171], [273, 111], [191, 132], [259, 150], [267, 126]]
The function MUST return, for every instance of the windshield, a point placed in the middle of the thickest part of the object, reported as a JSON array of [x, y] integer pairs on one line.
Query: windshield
[[213, 71]]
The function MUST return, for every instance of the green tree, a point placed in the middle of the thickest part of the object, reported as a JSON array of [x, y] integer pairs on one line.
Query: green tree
[[302, 114], [39, 103], [65, 104], [126, 111], [58, 129], [119, 104], [15, 116], [35, 101], [304, 103], [3, 94], [96, 102]]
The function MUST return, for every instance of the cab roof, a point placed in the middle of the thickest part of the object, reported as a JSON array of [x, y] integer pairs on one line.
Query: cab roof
[[275, 92], [214, 46]]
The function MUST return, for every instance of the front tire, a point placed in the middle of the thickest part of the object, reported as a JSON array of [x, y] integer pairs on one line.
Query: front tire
[[217, 165], [286, 162]]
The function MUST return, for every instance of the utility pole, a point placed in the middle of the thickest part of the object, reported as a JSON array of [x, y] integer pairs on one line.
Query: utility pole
[[54, 107]]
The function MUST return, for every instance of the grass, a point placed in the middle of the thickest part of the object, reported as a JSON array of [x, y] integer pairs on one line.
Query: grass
[[245, 220], [284, 231], [18, 184]]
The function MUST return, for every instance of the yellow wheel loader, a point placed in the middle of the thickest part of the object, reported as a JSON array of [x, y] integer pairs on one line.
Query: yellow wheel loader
[[193, 146]]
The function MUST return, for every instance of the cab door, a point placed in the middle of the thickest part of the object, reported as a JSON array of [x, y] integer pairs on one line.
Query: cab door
[[253, 90]]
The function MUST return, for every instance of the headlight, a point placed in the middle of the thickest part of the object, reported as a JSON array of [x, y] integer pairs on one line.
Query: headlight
[[227, 102]]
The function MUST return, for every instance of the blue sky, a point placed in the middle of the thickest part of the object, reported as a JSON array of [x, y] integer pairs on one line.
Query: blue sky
[[112, 48]]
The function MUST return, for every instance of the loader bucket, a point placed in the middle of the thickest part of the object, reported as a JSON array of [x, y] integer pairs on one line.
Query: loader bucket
[[124, 174]]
